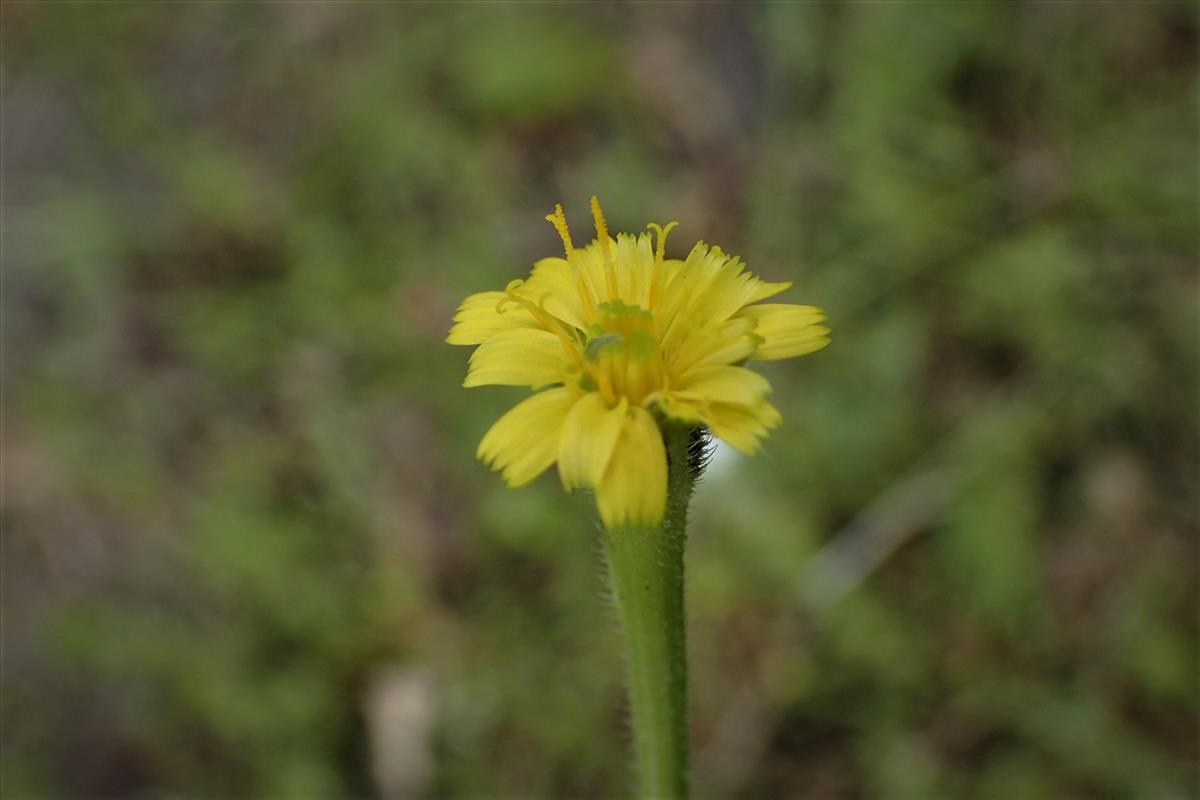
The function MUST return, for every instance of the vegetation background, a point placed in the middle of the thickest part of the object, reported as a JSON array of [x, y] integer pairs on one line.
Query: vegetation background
[[247, 551]]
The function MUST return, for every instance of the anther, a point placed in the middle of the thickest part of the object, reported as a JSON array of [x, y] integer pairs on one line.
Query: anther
[[559, 220], [610, 274]]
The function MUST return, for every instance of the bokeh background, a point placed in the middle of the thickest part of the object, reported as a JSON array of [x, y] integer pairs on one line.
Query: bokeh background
[[247, 551]]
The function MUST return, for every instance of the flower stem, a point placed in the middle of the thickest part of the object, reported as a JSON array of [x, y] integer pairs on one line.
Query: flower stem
[[646, 571]]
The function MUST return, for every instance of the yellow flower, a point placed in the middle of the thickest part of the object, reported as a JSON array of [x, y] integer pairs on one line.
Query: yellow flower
[[618, 338]]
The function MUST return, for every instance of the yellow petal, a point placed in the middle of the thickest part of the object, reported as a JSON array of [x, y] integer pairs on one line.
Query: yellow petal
[[588, 436], [524, 442], [722, 384], [553, 285], [712, 286], [679, 408], [485, 314], [741, 426], [634, 489], [635, 260], [787, 330], [766, 290], [684, 283], [590, 263], [524, 357], [727, 343], [671, 404]]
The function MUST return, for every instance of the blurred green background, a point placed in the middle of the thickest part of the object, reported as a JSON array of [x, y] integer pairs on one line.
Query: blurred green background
[[247, 551]]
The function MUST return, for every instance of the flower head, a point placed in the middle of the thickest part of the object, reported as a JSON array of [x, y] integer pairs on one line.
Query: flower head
[[619, 338]]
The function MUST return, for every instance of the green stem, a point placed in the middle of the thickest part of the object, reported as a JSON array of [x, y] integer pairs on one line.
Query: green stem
[[646, 570]]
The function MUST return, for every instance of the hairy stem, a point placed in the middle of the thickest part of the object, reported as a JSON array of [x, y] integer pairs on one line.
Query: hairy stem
[[646, 570]]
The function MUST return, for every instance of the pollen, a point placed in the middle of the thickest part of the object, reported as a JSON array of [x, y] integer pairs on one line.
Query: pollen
[[617, 339]]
